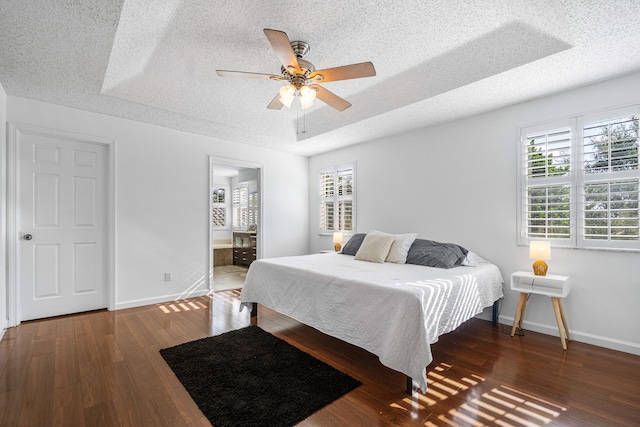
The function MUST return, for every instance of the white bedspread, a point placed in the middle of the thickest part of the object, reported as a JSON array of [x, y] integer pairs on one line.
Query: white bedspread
[[392, 310]]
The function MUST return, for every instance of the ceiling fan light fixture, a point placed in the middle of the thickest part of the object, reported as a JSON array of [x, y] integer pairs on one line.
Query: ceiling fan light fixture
[[307, 95], [286, 95]]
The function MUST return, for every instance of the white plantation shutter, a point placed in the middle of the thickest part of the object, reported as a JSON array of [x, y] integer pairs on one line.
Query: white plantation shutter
[[344, 181], [611, 145], [253, 208], [337, 196], [579, 181], [547, 197], [327, 216], [611, 210], [240, 205], [549, 153], [345, 215], [327, 184], [610, 183], [548, 211]]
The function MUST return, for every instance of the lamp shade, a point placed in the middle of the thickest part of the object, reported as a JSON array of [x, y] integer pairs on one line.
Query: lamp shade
[[540, 250], [337, 240]]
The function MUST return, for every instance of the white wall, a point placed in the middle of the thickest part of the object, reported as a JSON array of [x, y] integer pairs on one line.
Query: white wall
[[162, 199], [456, 182], [3, 198]]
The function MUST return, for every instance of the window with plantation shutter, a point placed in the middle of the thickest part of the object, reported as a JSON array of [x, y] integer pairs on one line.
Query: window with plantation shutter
[[240, 207], [337, 196], [579, 181], [610, 197], [548, 188]]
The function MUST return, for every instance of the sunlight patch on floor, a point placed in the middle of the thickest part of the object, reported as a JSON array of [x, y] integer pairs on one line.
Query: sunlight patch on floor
[[178, 306], [503, 406]]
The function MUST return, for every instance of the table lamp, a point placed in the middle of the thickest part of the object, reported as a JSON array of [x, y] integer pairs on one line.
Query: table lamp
[[541, 252], [337, 240]]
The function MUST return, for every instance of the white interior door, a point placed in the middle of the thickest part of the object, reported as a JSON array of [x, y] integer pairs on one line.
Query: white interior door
[[62, 226]]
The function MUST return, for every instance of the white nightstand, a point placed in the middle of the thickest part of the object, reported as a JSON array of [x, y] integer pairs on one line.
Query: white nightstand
[[551, 285]]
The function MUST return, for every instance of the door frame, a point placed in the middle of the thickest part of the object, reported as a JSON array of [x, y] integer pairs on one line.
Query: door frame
[[14, 129], [259, 240]]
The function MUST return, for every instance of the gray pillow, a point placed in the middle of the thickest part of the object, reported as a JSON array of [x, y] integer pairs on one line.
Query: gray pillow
[[436, 254], [354, 243]]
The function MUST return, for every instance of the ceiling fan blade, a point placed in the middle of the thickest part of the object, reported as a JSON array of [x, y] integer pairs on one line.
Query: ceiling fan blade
[[353, 71], [282, 47], [330, 98], [244, 74], [275, 104]]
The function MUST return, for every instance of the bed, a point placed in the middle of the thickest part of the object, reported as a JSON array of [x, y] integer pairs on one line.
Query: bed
[[391, 309]]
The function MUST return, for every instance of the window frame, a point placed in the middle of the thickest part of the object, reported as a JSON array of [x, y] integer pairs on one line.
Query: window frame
[[611, 176], [577, 178], [337, 199], [523, 237]]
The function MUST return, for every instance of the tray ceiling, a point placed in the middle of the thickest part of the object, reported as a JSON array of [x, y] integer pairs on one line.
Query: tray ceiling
[[154, 61]]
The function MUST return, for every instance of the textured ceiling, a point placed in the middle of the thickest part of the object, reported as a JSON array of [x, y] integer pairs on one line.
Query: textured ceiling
[[154, 60]]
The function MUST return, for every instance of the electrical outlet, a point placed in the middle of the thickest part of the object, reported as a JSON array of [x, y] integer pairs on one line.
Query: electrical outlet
[[167, 277]]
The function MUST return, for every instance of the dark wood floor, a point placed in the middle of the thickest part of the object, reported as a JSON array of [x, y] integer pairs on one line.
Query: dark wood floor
[[104, 368]]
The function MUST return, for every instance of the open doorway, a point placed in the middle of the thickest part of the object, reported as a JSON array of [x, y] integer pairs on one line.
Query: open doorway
[[235, 217]]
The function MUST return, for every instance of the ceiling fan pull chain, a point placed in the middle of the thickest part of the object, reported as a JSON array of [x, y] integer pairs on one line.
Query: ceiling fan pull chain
[[304, 121]]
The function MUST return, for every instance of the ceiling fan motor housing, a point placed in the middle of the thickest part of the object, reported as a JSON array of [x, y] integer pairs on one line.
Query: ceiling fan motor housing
[[298, 78], [300, 48]]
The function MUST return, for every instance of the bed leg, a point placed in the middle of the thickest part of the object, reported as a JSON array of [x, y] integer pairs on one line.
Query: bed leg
[[409, 385], [494, 318], [254, 314]]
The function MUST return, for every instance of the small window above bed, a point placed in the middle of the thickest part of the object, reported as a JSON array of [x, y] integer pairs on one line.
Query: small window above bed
[[337, 198]]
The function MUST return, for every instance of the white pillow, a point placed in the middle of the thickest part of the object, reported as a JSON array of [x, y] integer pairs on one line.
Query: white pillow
[[473, 260], [400, 247], [375, 247]]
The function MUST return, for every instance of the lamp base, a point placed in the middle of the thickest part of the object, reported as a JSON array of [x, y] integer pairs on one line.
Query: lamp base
[[540, 268], [337, 247]]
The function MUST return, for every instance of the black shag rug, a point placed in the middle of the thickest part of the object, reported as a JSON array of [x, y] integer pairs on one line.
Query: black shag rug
[[248, 377]]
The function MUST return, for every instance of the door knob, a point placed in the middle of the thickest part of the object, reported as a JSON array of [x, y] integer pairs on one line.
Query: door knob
[[27, 237]]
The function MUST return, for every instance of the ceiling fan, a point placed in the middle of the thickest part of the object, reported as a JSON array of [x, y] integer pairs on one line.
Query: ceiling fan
[[302, 75]]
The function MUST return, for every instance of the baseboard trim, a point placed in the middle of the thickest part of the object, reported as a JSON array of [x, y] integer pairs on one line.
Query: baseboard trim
[[584, 337], [158, 300], [4, 323]]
